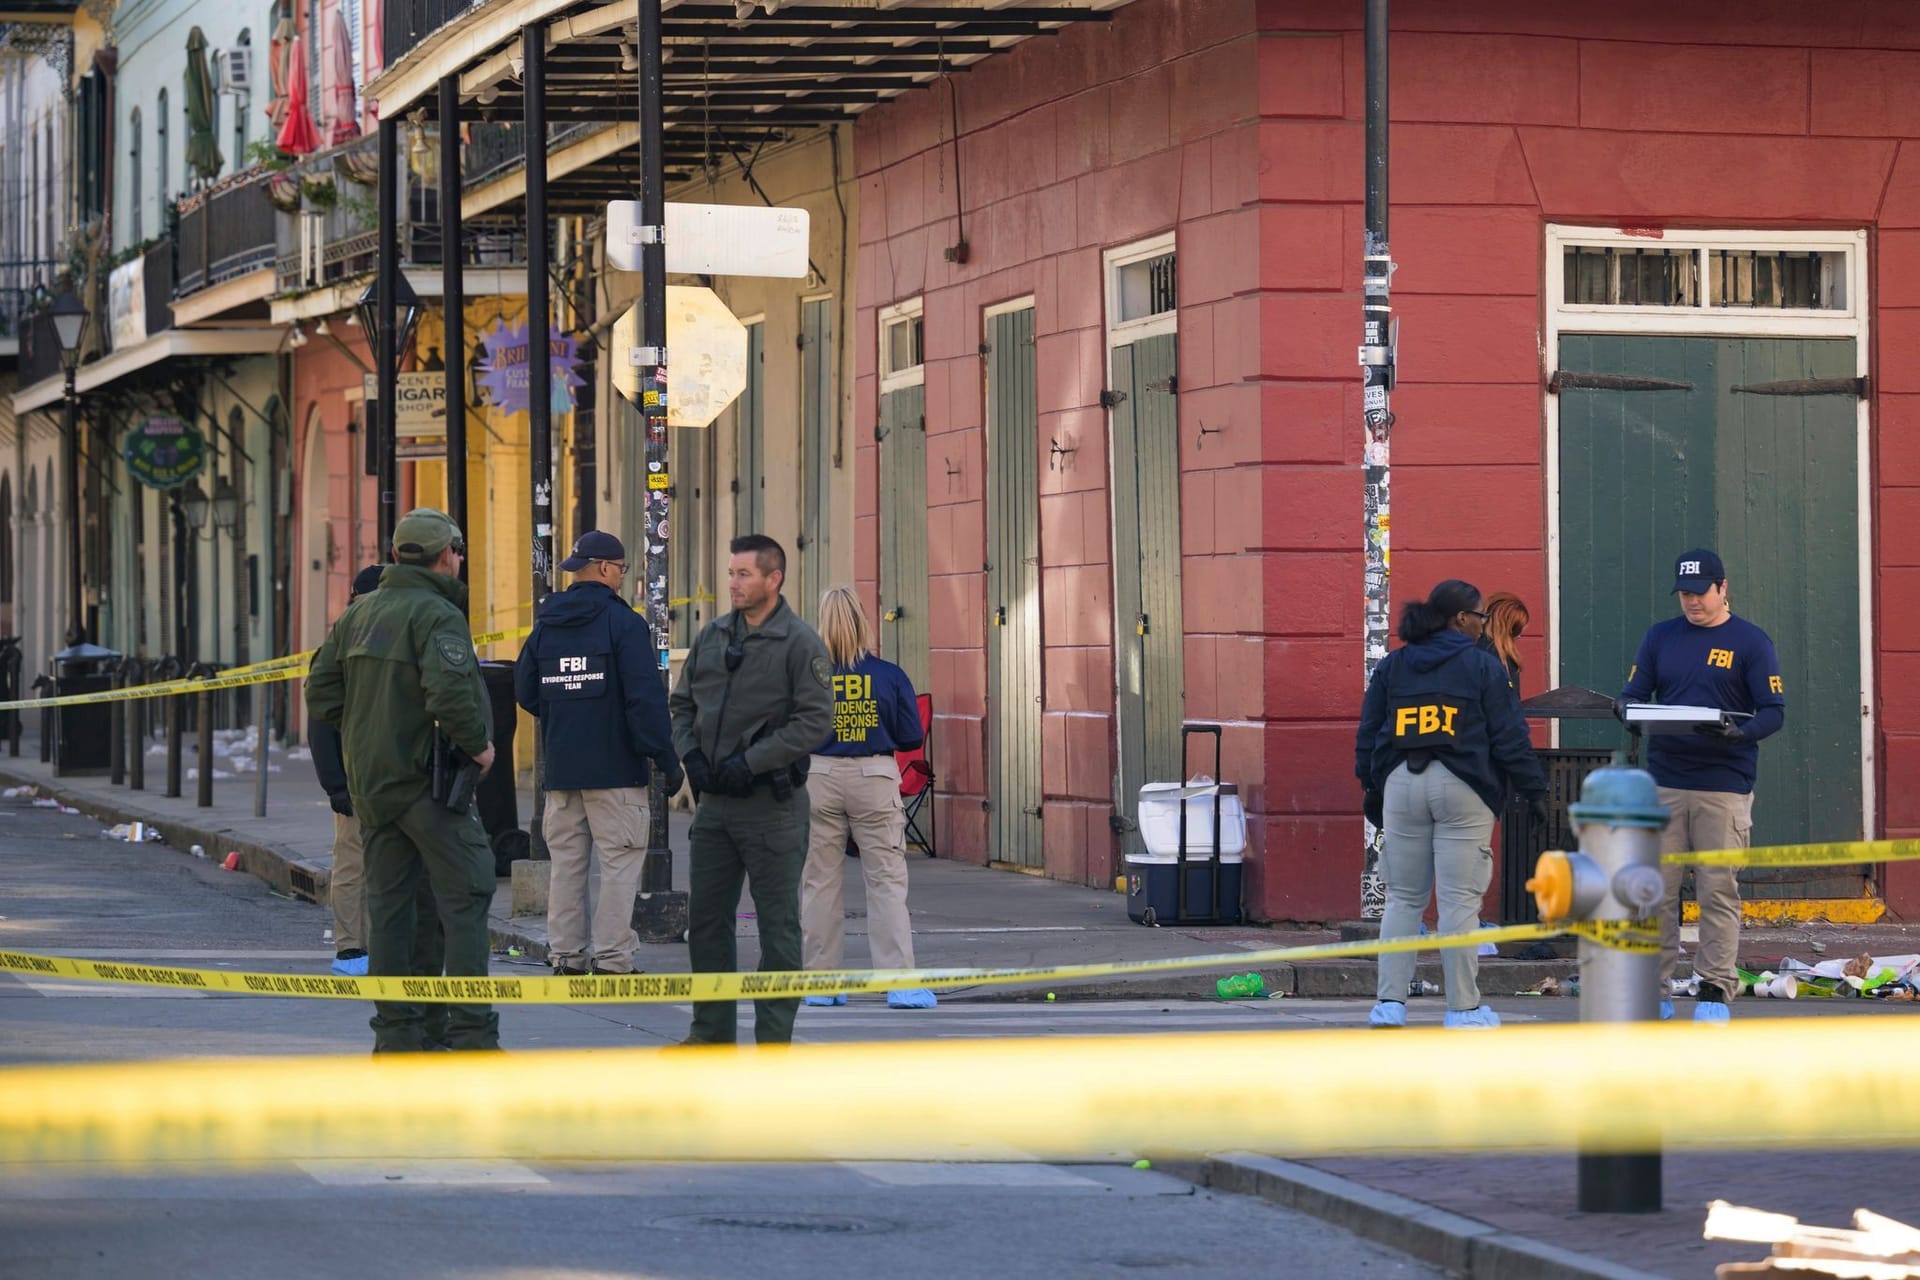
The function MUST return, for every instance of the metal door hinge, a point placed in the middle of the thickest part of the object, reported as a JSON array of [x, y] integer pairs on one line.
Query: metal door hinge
[[1111, 399], [1169, 384], [1856, 387], [1565, 381], [1033, 812], [1120, 824]]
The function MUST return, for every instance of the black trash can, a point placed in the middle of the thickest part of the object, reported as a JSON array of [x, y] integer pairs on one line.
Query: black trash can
[[496, 797], [83, 735]]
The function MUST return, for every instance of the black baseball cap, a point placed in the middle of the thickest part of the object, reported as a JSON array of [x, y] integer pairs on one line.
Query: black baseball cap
[[1696, 571], [590, 546], [368, 579]]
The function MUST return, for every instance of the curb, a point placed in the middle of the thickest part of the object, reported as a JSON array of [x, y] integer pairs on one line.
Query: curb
[[1463, 1246], [264, 862]]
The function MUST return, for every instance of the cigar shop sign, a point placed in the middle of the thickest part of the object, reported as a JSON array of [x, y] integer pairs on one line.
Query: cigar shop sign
[[162, 452]]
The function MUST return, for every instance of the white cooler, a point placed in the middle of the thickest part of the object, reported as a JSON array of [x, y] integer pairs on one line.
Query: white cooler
[[1155, 877]]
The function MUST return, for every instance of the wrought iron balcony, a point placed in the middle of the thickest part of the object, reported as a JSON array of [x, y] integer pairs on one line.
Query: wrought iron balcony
[[405, 23], [225, 232]]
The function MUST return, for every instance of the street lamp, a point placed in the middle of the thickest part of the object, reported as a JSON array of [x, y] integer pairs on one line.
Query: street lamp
[[69, 316], [226, 505], [193, 501], [406, 311]]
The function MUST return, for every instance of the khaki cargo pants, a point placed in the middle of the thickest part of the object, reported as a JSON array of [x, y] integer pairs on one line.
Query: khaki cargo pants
[[858, 795], [615, 821], [347, 886], [1704, 820]]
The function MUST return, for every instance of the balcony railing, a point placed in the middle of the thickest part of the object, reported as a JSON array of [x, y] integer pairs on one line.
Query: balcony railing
[[334, 236], [407, 22], [225, 232], [495, 150]]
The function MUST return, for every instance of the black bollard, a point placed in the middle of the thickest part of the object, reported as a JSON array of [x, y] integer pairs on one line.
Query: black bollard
[[117, 730], [204, 795], [174, 710], [137, 735]]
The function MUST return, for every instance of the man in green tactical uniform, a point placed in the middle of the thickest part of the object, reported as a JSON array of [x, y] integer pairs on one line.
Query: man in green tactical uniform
[[754, 701], [398, 665]]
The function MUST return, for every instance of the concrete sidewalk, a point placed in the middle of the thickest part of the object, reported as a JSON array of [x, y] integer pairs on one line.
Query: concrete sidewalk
[[963, 915]]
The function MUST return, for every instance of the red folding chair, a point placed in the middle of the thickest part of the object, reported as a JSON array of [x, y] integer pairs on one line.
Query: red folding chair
[[916, 782]]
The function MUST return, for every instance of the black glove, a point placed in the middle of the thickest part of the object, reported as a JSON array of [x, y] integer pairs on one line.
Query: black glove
[[1721, 732], [1620, 710], [734, 778], [672, 776], [1537, 807], [698, 771], [340, 803], [1374, 805]]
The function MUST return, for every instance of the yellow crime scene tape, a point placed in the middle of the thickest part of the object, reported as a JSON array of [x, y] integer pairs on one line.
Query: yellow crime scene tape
[[1598, 1087], [1833, 854], [291, 667], [675, 988]]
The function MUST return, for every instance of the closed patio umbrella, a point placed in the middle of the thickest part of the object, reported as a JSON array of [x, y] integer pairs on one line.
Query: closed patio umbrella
[[203, 153], [297, 135], [342, 126], [277, 75]]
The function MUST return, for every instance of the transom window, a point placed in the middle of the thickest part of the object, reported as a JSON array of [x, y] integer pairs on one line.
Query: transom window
[[902, 346], [1705, 277]]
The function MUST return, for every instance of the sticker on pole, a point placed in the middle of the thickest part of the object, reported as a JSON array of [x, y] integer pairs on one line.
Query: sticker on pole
[[714, 239]]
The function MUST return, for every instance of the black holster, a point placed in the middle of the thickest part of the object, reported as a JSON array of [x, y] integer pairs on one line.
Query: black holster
[[454, 777]]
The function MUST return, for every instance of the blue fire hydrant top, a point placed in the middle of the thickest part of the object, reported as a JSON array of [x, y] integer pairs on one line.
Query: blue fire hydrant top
[[1619, 797]]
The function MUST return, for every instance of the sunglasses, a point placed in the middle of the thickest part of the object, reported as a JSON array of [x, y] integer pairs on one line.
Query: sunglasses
[[621, 565], [1481, 614]]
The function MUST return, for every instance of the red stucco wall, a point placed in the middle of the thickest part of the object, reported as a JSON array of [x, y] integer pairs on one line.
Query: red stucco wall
[[1096, 137], [1507, 115]]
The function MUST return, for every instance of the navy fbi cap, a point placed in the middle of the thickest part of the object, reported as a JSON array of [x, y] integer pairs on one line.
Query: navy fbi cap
[[1696, 571], [591, 546]]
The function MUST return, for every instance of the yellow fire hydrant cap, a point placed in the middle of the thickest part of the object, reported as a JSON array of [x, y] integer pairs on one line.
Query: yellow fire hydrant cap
[[1552, 885]]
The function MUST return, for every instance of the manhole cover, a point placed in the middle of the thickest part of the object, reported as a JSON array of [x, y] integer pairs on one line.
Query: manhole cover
[[796, 1224]]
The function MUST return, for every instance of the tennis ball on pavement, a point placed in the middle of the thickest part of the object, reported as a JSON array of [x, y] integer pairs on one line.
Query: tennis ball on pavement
[[1143, 1164], [1049, 997]]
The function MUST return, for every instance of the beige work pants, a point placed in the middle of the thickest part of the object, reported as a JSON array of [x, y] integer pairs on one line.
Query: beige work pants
[[861, 795], [1704, 820], [347, 887], [614, 821]]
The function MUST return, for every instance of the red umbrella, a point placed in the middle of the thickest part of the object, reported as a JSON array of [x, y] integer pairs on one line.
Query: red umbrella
[[298, 136]]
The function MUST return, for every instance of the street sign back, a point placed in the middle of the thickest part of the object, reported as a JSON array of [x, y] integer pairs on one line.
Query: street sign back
[[715, 239]]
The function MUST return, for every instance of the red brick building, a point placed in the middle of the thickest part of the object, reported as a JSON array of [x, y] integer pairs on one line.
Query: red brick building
[[1139, 375]]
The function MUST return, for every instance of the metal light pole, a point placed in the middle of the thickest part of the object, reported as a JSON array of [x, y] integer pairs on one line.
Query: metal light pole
[[661, 912], [386, 348], [1377, 352], [453, 294], [69, 325]]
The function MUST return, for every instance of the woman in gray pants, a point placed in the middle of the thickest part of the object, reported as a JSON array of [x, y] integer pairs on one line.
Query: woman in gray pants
[[1441, 743]]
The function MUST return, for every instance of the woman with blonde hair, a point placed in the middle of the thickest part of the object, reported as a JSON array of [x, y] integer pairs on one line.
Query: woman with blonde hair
[[853, 787], [1507, 619]]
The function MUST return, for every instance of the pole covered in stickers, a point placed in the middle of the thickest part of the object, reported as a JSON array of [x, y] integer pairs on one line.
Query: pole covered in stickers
[[1379, 347]]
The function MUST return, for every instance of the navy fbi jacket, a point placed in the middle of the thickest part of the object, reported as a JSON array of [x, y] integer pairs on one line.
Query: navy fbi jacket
[[1731, 667], [1451, 700], [590, 673], [874, 710]]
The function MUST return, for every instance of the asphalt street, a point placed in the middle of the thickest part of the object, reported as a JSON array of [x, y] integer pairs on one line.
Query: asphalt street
[[65, 889]]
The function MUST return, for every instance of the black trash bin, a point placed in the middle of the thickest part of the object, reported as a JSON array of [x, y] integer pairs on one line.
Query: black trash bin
[[1522, 841], [498, 801], [83, 735]]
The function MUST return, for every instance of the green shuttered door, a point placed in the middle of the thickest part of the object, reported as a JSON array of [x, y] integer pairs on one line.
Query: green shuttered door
[[1013, 590], [1148, 631], [1769, 481], [903, 532]]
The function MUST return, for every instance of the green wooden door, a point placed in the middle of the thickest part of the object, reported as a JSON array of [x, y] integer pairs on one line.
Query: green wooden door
[[1013, 591], [817, 360], [903, 532], [749, 418], [1148, 637], [1771, 482]]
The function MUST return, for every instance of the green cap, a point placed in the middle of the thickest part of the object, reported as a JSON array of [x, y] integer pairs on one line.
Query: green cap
[[423, 534]]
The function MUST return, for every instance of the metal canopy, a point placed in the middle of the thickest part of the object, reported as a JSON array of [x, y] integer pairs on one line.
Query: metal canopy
[[733, 84]]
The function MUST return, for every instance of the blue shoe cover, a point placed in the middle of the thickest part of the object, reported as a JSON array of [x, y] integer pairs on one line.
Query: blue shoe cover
[[1482, 1018], [825, 1002], [1388, 1013], [1714, 1011], [354, 968], [918, 998], [1666, 1011]]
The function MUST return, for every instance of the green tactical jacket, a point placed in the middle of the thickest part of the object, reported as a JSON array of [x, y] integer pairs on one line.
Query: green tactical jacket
[[778, 706], [397, 662]]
